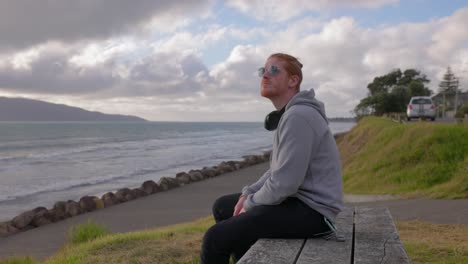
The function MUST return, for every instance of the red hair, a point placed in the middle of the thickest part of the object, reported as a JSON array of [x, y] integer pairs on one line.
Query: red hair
[[292, 65]]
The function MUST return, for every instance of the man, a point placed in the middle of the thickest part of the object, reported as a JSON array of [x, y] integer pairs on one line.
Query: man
[[301, 194]]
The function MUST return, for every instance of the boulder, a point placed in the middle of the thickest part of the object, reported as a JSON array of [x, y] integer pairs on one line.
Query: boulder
[[216, 170], [195, 175], [99, 203], [183, 178], [233, 164], [167, 183], [42, 217], [73, 208], [137, 193], [252, 160], [87, 203], [124, 195], [208, 172], [109, 199], [23, 220], [150, 187], [224, 167], [7, 229], [58, 212], [55, 215]]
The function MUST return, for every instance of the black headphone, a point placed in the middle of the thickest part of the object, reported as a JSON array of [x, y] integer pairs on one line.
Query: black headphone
[[273, 118]]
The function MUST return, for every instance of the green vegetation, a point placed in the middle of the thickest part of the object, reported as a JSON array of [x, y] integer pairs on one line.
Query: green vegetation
[[392, 92], [434, 243], [462, 111], [380, 156], [86, 232], [18, 260], [178, 244]]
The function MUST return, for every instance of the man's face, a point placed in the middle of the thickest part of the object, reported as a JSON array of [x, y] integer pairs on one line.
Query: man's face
[[277, 85]]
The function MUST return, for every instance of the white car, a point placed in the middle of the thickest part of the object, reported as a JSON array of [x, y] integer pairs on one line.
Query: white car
[[421, 107]]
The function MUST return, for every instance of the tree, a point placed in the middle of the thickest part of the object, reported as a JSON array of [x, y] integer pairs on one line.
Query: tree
[[449, 87], [392, 92], [449, 83]]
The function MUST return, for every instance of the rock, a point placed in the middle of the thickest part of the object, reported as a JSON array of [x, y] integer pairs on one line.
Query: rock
[[233, 164], [149, 187], [55, 215], [41, 217], [58, 212], [23, 220], [223, 167], [109, 199], [73, 208], [252, 160], [137, 193], [167, 183], [216, 170], [7, 228], [195, 175], [41, 220], [124, 195], [99, 203], [183, 178], [87, 203], [208, 172]]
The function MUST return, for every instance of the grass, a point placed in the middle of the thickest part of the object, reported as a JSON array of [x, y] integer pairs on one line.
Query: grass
[[18, 260], [434, 243], [180, 244], [86, 232], [380, 156]]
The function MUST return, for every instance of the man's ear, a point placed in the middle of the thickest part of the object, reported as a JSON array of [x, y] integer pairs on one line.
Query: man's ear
[[293, 81]]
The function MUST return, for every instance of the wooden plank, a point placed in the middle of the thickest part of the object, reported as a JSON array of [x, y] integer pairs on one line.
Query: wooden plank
[[319, 250], [376, 237], [273, 251]]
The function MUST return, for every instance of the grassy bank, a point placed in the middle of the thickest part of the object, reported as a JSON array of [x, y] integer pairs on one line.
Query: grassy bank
[[380, 156], [424, 243]]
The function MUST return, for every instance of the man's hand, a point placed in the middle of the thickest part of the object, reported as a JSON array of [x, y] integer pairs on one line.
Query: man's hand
[[239, 208]]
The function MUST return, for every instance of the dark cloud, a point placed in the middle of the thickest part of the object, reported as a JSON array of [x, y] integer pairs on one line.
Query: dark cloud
[[51, 72], [24, 23]]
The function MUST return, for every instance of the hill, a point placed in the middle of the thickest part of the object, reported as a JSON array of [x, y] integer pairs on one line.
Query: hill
[[20, 109], [421, 158]]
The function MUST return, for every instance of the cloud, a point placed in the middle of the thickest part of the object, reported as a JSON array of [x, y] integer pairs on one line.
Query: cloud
[[168, 79], [278, 10], [25, 23]]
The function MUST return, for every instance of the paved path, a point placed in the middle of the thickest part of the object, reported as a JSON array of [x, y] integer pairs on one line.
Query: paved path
[[194, 201]]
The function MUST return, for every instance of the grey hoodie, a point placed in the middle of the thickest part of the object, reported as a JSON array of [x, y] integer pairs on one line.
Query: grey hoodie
[[304, 163]]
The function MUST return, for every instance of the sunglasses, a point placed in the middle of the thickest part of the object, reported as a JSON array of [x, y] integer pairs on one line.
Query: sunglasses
[[272, 71]]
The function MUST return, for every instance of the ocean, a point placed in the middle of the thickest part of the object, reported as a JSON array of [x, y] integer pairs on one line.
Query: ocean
[[41, 163]]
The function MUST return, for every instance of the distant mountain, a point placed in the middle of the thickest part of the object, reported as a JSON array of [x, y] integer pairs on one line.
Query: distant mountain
[[20, 109]]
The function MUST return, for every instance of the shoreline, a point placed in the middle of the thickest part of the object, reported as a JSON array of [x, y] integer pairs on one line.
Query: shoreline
[[62, 210]]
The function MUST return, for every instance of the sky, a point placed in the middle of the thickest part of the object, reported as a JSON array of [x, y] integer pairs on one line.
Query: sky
[[170, 60]]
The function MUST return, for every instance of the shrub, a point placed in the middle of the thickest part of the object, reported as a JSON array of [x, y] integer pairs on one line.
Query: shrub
[[462, 111], [17, 260], [86, 232]]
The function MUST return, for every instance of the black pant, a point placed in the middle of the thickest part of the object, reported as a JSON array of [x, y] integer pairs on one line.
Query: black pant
[[234, 235]]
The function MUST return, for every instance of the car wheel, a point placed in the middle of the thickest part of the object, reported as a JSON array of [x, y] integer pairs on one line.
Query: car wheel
[[408, 119], [432, 118]]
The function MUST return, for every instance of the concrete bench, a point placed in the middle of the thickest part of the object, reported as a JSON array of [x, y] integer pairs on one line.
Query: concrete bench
[[370, 236]]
